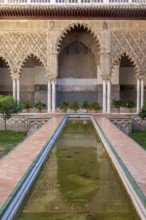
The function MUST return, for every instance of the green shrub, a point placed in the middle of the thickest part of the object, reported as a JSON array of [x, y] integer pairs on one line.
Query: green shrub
[[85, 105], [40, 105], [142, 113], [74, 105], [8, 107], [95, 106]]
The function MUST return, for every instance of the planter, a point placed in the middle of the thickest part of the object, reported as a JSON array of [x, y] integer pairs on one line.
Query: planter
[[84, 110], [27, 110], [74, 111], [40, 110], [63, 110], [93, 111]]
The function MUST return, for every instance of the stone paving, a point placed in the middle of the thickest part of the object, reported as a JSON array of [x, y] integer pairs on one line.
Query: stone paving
[[15, 164], [133, 156]]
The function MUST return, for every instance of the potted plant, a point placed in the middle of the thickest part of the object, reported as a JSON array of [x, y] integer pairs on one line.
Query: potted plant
[[130, 104], [94, 107], [85, 106], [117, 104], [74, 106], [27, 105], [40, 105], [64, 106]]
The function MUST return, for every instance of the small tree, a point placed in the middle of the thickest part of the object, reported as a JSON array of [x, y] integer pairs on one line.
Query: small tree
[[8, 107]]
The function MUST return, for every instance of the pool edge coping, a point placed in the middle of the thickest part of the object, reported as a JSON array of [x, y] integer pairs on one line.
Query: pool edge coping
[[137, 202]]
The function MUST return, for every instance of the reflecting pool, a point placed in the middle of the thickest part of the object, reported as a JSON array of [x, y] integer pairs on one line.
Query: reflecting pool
[[77, 181]]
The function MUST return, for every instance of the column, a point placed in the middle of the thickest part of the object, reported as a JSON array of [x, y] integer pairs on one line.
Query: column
[[104, 96], [108, 96], [142, 93], [138, 95], [14, 88], [53, 95], [49, 96], [18, 89]]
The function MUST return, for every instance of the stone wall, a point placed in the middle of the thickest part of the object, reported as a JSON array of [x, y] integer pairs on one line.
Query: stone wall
[[47, 39]]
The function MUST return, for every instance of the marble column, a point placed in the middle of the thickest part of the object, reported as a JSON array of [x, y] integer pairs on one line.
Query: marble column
[[142, 92], [108, 96], [18, 89], [14, 88], [53, 95], [138, 95], [104, 96], [49, 97]]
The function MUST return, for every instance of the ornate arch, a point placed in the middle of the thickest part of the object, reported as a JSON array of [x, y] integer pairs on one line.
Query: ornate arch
[[26, 57], [130, 57], [85, 26], [6, 60]]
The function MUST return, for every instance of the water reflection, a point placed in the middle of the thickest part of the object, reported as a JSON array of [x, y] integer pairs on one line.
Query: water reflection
[[78, 182]]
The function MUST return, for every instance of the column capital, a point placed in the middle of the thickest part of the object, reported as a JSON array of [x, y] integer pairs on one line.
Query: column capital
[[15, 76], [140, 76], [51, 77], [53, 52], [106, 77], [103, 51]]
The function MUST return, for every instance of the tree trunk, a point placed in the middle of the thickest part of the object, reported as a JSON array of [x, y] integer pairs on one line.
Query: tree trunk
[[5, 126]]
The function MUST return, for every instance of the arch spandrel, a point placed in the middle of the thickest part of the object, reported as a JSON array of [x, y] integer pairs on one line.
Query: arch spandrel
[[19, 45], [132, 44]]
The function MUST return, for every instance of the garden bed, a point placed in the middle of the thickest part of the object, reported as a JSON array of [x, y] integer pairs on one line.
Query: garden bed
[[9, 139]]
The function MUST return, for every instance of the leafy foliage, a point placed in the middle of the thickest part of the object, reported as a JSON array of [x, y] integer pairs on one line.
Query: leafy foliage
[[117, 103], [64, 106], [8, 107], [85, 105], [28, 104], [74, 105], [40, 105], [142, 113], [95, 106]]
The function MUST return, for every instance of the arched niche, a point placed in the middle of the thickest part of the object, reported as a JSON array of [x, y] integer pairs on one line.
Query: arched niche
[[127, 79], [78, 61], [33, 83], [5, 78]]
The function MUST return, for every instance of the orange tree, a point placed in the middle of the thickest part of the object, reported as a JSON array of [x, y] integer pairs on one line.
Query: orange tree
[[8, 107]]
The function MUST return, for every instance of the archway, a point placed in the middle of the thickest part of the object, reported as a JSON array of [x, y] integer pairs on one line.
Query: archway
[[127, 79], [33, 84], [78, 62], [5, 78]]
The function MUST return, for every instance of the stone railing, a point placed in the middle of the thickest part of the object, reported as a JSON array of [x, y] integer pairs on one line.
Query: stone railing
[[74, 2], [124, 124], [23, 123]]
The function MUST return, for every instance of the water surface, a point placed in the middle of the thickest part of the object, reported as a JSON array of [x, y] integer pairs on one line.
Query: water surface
[[78, 181]]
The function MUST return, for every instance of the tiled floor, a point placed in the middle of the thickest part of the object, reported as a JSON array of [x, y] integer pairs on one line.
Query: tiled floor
[[133, 156], [13, 167]]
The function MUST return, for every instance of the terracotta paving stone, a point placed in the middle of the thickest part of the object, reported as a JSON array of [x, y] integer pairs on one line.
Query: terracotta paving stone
[[15, 164], [133, 156]]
